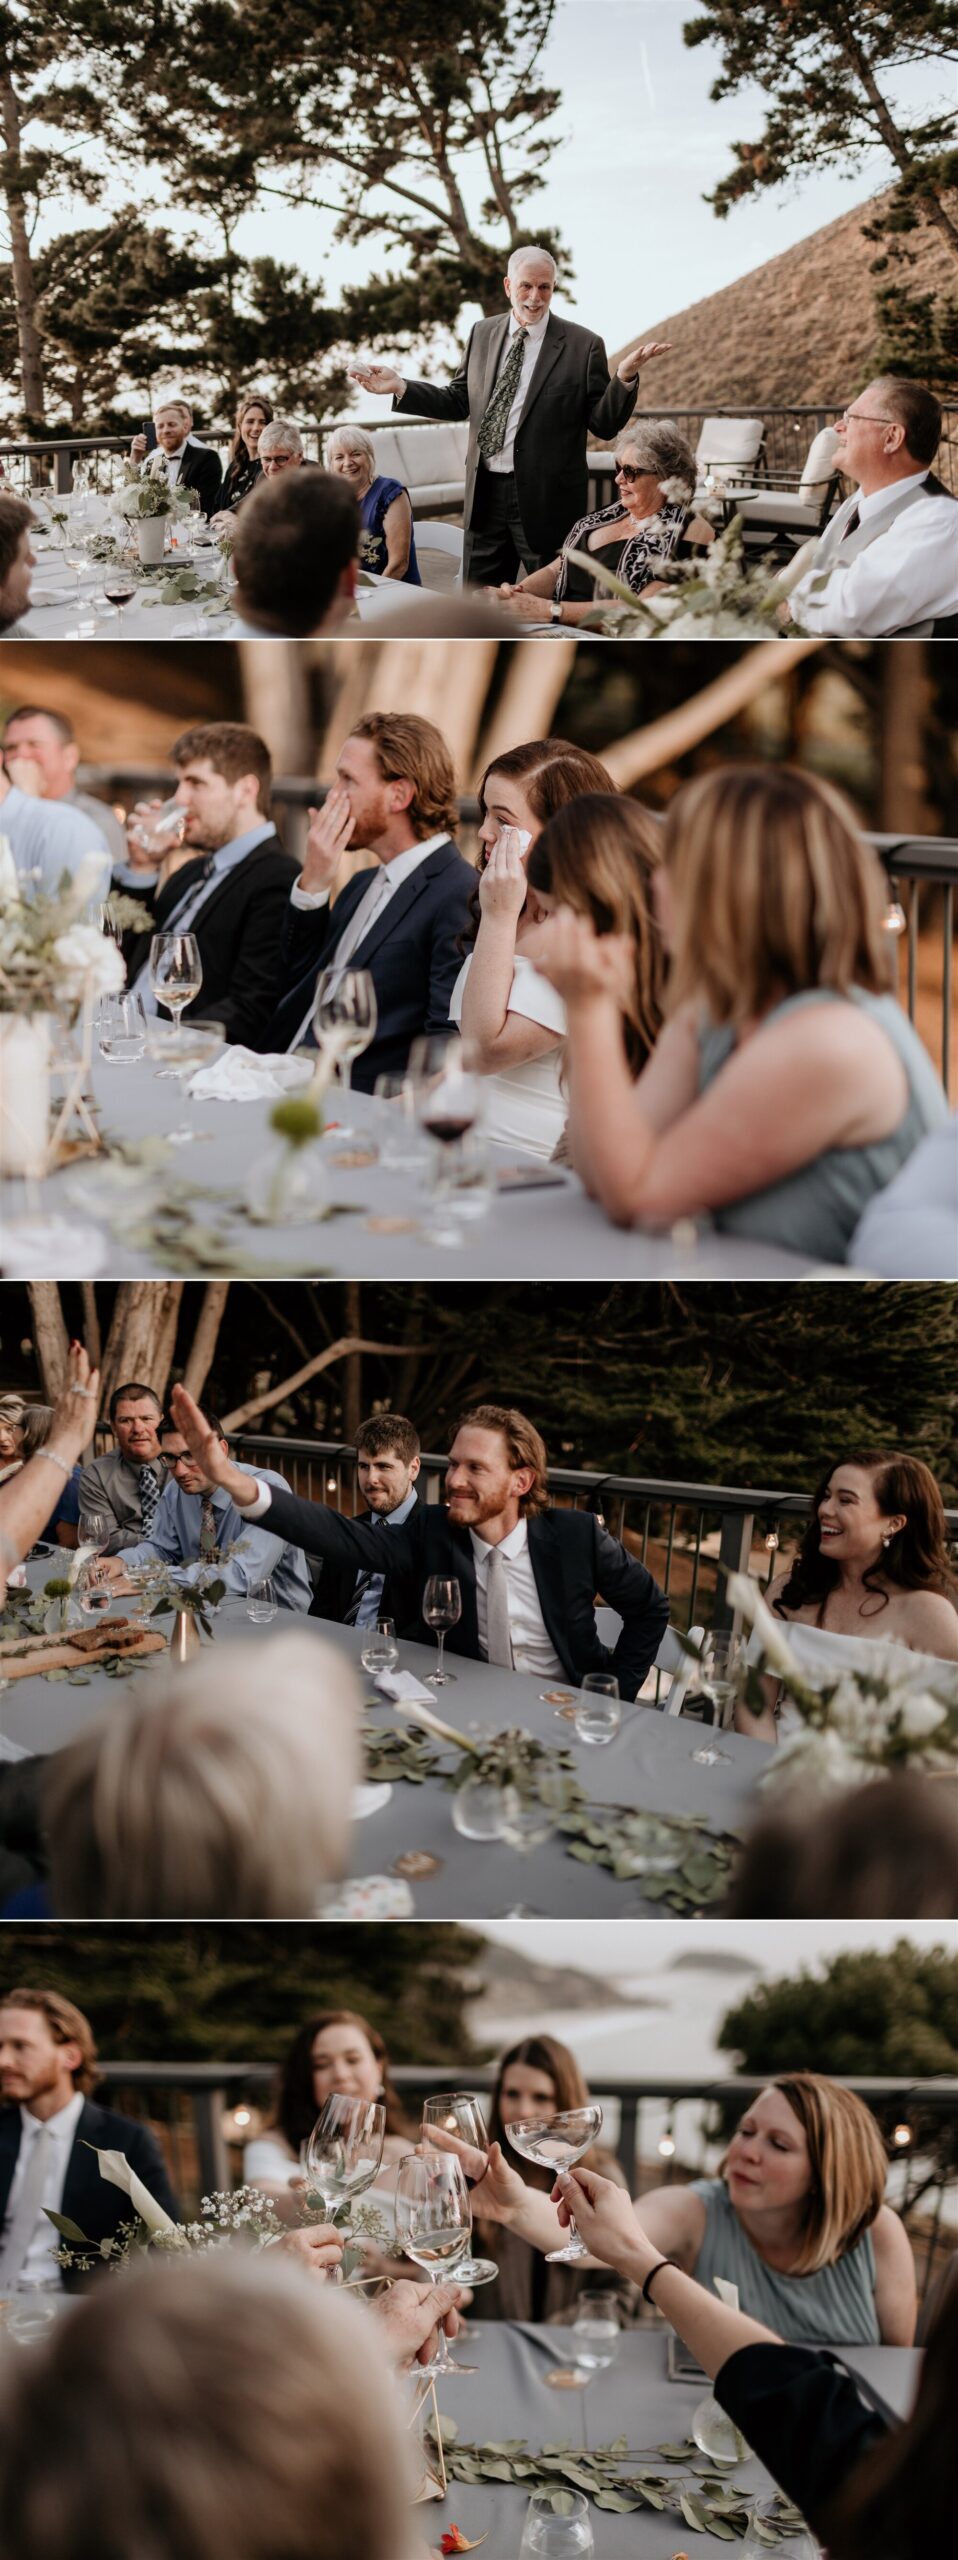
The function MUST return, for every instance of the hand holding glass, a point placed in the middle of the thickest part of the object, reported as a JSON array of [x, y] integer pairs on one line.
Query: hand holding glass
[[557, 2142]]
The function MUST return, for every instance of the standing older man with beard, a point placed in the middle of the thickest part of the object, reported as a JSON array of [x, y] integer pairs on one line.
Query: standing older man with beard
[[234, 893], [532, 388]]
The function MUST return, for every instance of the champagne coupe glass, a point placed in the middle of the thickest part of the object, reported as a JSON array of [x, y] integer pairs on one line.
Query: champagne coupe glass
[[557, 2142], [344, 1019], [716, 2437], [723, 1658], [176, 973], [379, 1650], [458, 2113], [442, 1609], [344, 2152], [434, 2224]]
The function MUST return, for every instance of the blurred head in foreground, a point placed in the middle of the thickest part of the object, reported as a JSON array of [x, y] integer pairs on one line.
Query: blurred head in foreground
[[211, 2408], [223, 1791], [888, 1851]]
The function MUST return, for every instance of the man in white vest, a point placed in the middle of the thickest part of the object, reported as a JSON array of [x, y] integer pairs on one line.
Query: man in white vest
[[887, 563]]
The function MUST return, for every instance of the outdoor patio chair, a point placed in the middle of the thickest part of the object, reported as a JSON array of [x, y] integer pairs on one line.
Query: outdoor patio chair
[[793, 513], [670, 1658], [732, 449]]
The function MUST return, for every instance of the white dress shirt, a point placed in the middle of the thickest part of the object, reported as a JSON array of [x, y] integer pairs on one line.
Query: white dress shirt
[[40, 2272], [907, 575], [505, 460], [532, 1648], [160, 465]]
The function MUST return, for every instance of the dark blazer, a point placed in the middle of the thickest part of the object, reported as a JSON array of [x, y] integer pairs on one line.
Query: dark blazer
[[570, 394], [337, 1577], [238, 933], [202, 470], [411, 951], [88, 2200], [572, 1556]]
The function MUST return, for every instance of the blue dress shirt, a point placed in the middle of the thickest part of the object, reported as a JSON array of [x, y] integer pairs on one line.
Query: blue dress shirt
[[368, 1610], [49, 837], [175, 1540]]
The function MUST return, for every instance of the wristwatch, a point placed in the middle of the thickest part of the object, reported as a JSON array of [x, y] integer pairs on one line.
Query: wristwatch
[[555, 613]]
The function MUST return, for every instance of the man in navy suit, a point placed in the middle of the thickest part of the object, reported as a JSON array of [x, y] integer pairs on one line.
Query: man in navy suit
[[50, 2133], [401, 919], [387, 1465], [528, 1574]]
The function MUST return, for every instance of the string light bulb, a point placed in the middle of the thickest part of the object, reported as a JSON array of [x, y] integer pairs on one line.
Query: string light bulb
[[902, 2137]]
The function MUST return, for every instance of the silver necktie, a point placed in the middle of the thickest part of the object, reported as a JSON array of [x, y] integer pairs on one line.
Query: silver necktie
[[498, 1638], [16, 2242]]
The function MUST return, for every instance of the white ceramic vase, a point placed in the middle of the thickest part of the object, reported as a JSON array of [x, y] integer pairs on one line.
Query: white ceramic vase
[[24, 1093], [151, 539]]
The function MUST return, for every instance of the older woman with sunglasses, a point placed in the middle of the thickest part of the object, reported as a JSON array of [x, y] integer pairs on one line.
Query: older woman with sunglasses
[[649, 523]]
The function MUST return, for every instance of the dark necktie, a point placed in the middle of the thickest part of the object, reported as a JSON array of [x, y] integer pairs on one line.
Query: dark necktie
[[149, 1491], [208, 1537], [851, 527], [492, 425]]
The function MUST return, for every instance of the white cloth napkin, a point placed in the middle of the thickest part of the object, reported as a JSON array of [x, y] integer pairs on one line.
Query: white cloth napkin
[[240, 1075], [53, 1246], [401, 1686], [12, 1750]]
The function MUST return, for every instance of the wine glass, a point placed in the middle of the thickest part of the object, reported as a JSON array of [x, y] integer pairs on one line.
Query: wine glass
[[442, 1609], [771, 2521], [723, 1657], [557, 2142], [344, 2152], [457, 2112], [344, 1019], [93, 1589], [379, 1650], [598, 1714], [176, 973], [447, 1093], [434, 2224], [549, 2534], [119, 588]]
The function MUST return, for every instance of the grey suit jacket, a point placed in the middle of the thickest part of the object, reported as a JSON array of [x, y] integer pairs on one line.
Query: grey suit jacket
[[110, 1485], [570, 394]]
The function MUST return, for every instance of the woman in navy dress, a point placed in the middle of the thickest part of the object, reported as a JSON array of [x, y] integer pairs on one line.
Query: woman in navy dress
[[387, 544]]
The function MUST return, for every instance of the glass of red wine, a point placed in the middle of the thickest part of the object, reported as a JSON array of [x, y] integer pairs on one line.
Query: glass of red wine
[[447, 1092], [119, 588]]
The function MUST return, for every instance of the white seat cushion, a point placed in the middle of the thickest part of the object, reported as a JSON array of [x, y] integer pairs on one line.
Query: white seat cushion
[[735, 443], [430, 455], [782, 507], [385, 443], [820, 464]]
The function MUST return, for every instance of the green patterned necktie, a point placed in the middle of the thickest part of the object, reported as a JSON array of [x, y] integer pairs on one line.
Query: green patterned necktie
[[208, 1540], [492, 424]]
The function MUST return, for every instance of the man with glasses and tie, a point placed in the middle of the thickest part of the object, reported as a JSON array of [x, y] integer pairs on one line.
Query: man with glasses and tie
[[886, 565], [197, 1531], [533, 388], [232, 894], [387, 1465], [528, 1574], [126, 1483], [50, 2132], [402, 917]]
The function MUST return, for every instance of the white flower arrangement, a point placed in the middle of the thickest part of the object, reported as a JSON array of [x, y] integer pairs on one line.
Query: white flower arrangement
[[50, 953], [241, 2214], [858, 1727], [720, 595], [147, 494]]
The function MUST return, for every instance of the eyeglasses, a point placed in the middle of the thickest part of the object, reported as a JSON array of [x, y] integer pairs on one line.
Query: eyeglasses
[[628, 471], [863, 418], [177, 1457]]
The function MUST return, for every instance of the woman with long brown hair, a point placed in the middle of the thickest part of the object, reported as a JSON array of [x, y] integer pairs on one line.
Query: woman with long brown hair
[[537, 2076], [254, 412], [787, 1085], [599, 861], [336, 2051], [512, 1019], [873, 1566]]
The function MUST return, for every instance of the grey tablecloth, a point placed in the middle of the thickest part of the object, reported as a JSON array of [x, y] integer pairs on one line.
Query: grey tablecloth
[[649, 1764], [555, 1232], [509, 2397]]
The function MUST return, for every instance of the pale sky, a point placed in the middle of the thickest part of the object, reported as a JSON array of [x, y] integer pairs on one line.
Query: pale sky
[[640, 143], [616, 1947]]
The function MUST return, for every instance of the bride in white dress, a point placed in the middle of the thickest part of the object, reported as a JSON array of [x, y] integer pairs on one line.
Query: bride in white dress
[[513, 1019], [873, 1572]]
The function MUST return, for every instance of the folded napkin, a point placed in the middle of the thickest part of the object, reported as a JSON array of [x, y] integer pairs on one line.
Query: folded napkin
[[240, 1075], [41, 596], [367, 1800], [370, 1898], [404, 1690]]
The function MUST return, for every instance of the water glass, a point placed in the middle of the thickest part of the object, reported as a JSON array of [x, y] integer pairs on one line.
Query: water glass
[[380, 1651], [715, 2435], [157, 831], [403, 1149], [477, 1810], [769, 2521], [121, 1029], [557, 2526], [595, 2330], [598, 1714], [261, 1605]]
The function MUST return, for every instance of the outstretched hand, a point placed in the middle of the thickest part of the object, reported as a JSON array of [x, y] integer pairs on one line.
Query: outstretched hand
[[631, 365], [604, 2214], [377, 377], [76, 1407]]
